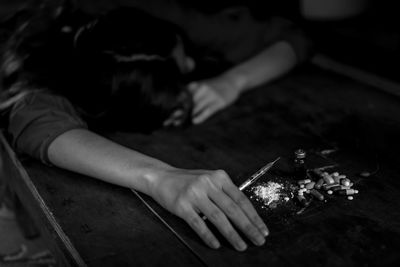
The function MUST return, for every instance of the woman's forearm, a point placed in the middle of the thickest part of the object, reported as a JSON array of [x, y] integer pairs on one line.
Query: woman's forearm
[[214, 94], [269, 64], [87, 153], [186, 193]]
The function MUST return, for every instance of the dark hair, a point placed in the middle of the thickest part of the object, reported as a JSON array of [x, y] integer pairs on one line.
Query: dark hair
[[145, 94], [137, 63], [122, 60]]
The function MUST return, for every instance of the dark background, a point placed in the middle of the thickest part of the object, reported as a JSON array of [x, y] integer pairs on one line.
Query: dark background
[[368, 38]]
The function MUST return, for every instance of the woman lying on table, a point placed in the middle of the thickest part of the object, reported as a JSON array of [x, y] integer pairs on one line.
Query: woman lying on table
[[79, 78]]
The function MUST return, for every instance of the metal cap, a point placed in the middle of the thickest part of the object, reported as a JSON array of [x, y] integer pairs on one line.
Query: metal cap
[[300, 154]]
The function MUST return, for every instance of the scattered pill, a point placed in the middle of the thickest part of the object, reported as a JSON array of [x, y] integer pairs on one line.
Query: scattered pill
[[329, 186], [335, 174], [345, 187], [302, 186], [286, 199], [350, 198], [336, 188], [342, 176], [328, 179], [365, 174], [345, 182], [317, 194], [306, 181], [310, 185], [66, 29], [346, 192], [319, 183], [330, 192]]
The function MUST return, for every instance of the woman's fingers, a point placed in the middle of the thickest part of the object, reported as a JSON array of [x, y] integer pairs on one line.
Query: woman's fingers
[[204, 110], [207, 101], [212, 194], [206, 104], [205, 114], [200, 227], [174, 119], [244, 203], [202, 104], [218, 218], [238, 217]]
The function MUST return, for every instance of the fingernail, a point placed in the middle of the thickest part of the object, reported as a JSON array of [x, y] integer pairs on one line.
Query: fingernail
[[259, 241], [241, 246], [215, 244], [264, 229], [265, 232]]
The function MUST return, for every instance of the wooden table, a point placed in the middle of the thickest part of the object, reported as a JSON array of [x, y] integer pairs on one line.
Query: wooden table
[[92, 223]]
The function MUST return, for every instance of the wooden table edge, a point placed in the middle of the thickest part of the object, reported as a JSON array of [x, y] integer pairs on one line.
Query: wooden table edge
[[38, 209]]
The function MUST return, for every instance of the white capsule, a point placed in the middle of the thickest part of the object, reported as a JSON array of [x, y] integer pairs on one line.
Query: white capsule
[[310, 185], [350, 198], [305, 181], [330, 192], [365, 174], [346, 182], [300, 193], [66, 29]]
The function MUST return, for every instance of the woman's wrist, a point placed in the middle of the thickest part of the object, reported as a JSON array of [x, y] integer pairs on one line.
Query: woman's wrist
[[236, 80], [152, 175]]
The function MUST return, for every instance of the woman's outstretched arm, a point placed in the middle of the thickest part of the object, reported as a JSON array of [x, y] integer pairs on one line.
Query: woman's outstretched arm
[[186, 193]]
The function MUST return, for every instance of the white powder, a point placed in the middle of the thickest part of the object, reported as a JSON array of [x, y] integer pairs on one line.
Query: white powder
[[268, 192]]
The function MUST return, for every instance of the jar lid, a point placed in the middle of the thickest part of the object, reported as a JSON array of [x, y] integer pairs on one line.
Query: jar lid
[[300, 153]]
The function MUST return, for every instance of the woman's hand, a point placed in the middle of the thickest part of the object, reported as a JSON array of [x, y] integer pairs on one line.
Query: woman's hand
[[212, 95], [189, 193]]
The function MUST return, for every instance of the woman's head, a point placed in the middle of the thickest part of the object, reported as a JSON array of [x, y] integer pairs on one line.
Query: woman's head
[[124, 65], [141, 60]]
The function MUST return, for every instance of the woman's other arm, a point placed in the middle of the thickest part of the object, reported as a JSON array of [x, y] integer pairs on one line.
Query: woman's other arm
[[285, 46], [214, 94]]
